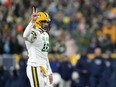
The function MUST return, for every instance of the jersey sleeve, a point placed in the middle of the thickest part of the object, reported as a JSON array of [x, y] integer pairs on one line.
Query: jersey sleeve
[[29, 34], [49, 68]]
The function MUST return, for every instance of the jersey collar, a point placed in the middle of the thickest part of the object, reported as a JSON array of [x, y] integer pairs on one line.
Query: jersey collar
[[41, 30]]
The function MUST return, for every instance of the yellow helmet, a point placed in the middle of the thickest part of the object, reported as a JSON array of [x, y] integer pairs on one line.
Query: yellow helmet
[[43, 16]]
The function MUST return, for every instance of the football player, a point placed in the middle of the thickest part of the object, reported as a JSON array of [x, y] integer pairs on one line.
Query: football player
[[37, 43]]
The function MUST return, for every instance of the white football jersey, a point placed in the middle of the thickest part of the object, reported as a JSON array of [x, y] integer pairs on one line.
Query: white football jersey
[[38, 50], [37, 43]]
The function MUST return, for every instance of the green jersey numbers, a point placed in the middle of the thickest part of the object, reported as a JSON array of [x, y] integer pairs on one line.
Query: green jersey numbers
[[46, 45]]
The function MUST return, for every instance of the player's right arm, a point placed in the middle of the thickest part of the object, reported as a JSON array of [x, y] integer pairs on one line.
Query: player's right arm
[[28, 34]]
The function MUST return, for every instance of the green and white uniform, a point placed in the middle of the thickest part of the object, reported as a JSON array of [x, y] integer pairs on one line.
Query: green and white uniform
[[37, 43]]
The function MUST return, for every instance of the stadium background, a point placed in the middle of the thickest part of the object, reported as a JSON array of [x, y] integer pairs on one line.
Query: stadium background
[[76, 26]]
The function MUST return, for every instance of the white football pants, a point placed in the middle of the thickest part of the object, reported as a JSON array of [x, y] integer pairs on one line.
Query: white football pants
[[36, 77]]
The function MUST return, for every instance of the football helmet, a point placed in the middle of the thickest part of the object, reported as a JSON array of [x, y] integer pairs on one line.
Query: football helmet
[[42, 16]]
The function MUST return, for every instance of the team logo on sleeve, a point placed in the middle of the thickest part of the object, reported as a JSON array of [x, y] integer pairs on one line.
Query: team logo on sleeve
[[34, 35]]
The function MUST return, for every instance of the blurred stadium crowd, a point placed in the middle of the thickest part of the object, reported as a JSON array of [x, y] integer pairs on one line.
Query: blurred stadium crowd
[[77, 27]]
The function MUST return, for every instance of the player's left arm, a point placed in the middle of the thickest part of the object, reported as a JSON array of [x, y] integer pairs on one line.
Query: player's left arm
[[51, 78], [50, 73]]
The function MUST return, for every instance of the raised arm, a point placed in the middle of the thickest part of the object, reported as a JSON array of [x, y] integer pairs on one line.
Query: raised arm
[[28, 34]]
